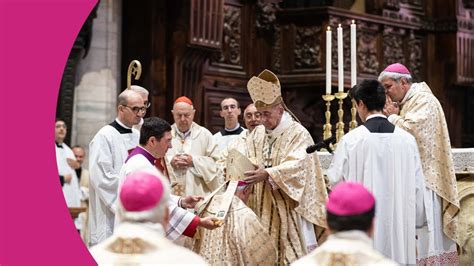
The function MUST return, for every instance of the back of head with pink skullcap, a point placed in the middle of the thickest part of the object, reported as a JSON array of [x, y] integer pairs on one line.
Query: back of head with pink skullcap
[[141, 191], [397, 68], [350, 198]]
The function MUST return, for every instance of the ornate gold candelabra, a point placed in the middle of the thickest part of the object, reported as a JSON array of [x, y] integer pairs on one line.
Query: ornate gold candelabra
[[353, 123], [340, 113], [327, 127]]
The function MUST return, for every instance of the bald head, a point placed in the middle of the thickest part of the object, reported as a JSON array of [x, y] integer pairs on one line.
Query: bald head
[[130, 108], [143, 93], [126, 95], [140, 90], [183, 114]]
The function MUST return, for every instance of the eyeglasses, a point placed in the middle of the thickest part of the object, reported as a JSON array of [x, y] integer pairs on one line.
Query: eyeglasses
[[137, 109]]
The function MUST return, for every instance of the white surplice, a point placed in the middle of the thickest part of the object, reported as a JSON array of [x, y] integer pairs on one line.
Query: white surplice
[[108, 152], [71, 191], [179, 219], [142, 244], [202, 178], [223, 141], [388, 164]]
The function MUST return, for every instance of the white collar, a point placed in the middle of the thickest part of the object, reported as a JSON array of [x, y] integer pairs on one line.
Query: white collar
[[375, 115], [121, 124], [232, 129]]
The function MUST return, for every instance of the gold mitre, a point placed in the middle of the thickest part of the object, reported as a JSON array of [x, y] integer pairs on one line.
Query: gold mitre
[[265, 90]]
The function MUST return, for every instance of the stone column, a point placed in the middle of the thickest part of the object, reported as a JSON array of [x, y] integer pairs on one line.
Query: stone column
[[98, 76]]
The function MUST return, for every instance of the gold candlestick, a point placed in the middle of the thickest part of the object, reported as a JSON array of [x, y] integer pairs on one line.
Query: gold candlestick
[[353, 123], [327, 127], [340, 113]]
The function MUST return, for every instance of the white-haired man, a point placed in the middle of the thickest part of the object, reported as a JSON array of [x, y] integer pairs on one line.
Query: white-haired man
[[191, 162], [140, 240], [413, 107]]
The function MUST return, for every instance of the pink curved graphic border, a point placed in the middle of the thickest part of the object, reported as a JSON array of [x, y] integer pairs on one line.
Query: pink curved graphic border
[[35, 40]]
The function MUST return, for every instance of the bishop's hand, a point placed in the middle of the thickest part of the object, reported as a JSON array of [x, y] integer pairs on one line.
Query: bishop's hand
[[210, 223], [256, 176], [391, 107], [189, 202]]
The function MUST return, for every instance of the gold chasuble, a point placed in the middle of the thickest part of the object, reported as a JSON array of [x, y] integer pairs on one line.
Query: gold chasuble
[[292, 200], [421, 114], [295, 190], [241, 240]]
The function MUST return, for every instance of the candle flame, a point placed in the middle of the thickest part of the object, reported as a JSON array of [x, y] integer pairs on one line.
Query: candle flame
[[353, 21], [339, 25], [329, 28]]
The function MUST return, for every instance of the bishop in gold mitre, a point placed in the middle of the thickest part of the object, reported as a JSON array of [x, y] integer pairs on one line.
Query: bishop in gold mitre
[[289, 190]]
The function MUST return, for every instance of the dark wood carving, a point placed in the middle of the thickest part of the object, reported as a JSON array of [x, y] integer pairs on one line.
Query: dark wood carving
[[429, 38], [415, 56], [307, 50], [367, 59], [468, 3], [307, 109], [392, 5], [276, 54], [230, 54], [65, 105], [393, 45], [206, 23], [232, 38], [465, 58], [265, 17]]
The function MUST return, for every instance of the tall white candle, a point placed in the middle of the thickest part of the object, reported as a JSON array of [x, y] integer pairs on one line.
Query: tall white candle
[[340, 60], [353, 55], [328, 60]]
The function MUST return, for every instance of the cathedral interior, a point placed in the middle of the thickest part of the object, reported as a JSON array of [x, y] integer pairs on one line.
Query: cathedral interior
[[209, 49]]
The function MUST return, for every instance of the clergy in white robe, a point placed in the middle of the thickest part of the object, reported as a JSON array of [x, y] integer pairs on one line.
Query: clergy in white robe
[[155, 138], [230, 111], [418, 111], [386, 161], [140, 239], [350, 216], [289, 188], [64, 159], [191, 162], [83, 176], [108, 150]]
